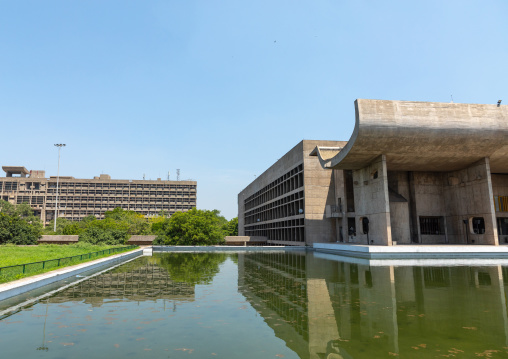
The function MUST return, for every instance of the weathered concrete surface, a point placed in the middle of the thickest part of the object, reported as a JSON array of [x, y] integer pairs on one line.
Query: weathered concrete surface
[[318, 189], [245, 240], [413, 251], [425, 136], [59, 239], [416, 261], [468, 194], [372, 202], [198, 249], [141, 240]]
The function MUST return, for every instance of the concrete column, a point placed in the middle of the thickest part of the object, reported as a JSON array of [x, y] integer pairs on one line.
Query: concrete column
[[468, 194], [241, 211], [372, 202]]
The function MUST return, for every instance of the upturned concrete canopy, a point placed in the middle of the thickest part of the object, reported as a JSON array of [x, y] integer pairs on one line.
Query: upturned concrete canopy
[[423, 136]]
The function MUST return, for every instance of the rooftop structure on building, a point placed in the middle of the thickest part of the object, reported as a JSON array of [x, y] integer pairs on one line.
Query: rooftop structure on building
[[79, 198], [412, 173]]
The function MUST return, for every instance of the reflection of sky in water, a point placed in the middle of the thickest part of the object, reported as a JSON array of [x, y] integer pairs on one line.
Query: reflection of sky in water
[[268, 305]]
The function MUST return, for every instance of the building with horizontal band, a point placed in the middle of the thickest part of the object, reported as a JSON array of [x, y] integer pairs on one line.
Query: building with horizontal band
[[412, 173], [79, 198]]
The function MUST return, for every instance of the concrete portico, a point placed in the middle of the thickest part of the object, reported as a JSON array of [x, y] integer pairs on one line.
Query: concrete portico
[[411, 173], [423, 173]]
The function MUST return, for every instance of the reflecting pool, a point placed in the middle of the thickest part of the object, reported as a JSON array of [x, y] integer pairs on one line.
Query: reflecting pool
[[267, 305]]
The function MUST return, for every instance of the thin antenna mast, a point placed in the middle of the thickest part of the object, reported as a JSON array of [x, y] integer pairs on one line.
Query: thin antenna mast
[[178, 174]]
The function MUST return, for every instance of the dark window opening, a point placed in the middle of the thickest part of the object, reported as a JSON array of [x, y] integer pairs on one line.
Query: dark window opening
[[502, 226], [351, 225], [478, 225], [350, 194], [432, 225]]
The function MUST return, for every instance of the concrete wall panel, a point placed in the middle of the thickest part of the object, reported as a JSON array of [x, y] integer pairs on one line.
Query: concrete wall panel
[[470, 196], [372, 201]]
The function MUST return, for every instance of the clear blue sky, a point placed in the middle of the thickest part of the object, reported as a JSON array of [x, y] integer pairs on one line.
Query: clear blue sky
[[222, 89]]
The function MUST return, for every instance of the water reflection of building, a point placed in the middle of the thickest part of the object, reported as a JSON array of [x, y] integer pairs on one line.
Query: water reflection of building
[[139, 280], [333, 309]]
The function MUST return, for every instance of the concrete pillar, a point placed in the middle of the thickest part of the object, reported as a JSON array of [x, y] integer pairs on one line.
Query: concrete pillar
[[468, 194], [241, 212], [372, 202]]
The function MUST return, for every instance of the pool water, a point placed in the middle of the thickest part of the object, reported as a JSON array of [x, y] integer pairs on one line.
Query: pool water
[[267, 305]]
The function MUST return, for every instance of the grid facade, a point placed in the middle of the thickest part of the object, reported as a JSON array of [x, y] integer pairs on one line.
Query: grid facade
[[287, 202], [277, 210], [79, 198]]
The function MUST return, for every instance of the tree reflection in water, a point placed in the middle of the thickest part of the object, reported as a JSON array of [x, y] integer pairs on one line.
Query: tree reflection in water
[[191, 268]]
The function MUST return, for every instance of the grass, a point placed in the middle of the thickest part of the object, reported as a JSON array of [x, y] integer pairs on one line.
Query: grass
[[15, 255]]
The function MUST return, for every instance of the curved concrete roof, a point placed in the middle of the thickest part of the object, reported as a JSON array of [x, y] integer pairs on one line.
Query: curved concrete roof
[[424, 136]]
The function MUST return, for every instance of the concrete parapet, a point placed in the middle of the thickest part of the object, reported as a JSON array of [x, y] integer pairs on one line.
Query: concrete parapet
[[141, 240], [59, 239], [411, 251], [201, 249], [245, 240]]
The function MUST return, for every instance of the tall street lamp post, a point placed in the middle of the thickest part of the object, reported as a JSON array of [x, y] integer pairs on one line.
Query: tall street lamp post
[[59, 145]]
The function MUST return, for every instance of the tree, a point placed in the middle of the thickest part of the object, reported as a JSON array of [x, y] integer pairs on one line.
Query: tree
[[61, 225], [157, 222], [115, 228], [195, 227], [136, 223], [18, 226], [106, 231], [231, 228]]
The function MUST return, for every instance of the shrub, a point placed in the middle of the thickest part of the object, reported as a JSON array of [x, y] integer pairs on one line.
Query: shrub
[[195, 227], [16, 230], [96, 235]]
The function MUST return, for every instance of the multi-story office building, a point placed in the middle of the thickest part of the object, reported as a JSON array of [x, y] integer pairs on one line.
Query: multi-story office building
[[79, 198]]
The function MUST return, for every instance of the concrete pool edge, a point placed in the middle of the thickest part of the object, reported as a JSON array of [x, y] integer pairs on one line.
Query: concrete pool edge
[[11, 289], [413, 251], [179, 249]]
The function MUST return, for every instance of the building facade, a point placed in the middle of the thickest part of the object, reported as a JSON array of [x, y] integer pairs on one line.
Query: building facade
[[287, 202], [79, 198], [412, 173]]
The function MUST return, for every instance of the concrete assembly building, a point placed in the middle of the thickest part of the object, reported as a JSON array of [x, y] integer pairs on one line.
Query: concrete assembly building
[[412, 173], [78, 198]]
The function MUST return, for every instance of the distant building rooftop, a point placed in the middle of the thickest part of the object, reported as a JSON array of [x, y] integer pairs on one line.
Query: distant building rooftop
[[15, 170]]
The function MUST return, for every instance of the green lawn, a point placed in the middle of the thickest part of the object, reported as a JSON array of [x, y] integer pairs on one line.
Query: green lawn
[[15, 255]]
